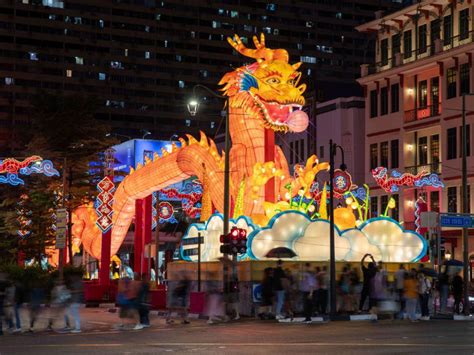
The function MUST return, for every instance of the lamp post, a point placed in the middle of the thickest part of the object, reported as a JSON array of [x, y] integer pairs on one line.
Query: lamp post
[[118, 135], [193, 107], [332, 253], [145, 133], [465, 205]]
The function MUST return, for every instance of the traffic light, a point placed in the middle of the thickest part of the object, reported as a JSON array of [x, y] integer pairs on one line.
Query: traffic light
[[235, 242]]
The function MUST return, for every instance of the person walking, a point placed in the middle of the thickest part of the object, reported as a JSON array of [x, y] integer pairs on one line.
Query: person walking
[[457, 288], [278, 281], [424, 291], [322, 278], [307, 287], [400, 287], [60, 297], [77, 297], [180, 298], [368, 274], [443, 288], [267, 294], [410, 293]]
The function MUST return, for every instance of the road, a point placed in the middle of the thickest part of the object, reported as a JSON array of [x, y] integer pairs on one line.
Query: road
[[248, 337]]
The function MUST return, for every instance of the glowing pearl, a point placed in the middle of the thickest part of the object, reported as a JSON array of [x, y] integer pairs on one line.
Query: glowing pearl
[[348, 201], [297, 121]]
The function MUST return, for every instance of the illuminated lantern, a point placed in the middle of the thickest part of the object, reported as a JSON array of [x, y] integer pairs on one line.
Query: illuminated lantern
[[297, 121], [344, 218]]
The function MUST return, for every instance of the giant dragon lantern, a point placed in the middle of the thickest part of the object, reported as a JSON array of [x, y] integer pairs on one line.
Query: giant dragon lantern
[[276, 207]]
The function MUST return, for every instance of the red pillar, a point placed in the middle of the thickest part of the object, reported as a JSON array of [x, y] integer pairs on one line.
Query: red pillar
[[138, 239], [270, 156], [147, 221], [104, 268]]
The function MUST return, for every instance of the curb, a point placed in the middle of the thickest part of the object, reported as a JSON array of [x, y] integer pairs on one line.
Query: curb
[[362, 317], [463, 318], [301, 320]]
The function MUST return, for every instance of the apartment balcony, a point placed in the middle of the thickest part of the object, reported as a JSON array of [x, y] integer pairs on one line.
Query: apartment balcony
[[421, 113], [399, 59], [429, 168]]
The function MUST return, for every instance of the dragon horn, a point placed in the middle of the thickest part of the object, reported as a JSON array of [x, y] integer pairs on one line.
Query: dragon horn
[[261, 52]]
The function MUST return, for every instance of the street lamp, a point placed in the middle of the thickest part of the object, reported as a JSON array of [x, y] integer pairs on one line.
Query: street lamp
[[118, 135], [145, 133], [465, 205], [332, 254], [193, 107]]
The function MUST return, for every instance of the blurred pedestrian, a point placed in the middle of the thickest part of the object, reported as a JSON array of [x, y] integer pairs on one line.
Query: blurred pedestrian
[[265, 309], [424, 291], [215, 305], [60, 297], [354, 282], [443, 288], [400, 286], [19, 300], [457, 288], [3, 288], [232, 297], [126, 299], [278, 280], [368, 273], [290, 293], [322, 279], [344, 289], [9, 305], [143, 303], [180, 298], [307, 287], [36, 297], [378, 289], [77, 297], [410, 293]]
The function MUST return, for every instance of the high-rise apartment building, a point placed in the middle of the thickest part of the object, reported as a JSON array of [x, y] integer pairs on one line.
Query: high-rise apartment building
[[414, 106], [142, 57]]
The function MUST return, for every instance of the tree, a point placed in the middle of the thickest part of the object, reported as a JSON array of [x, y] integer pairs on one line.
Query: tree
[[63, 128]]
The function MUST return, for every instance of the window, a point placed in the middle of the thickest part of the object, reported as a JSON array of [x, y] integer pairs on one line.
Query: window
[[321, 152], [395, 211], [422, 39], [384, 154], [451, 82], [447, 29], [384, 52], [383, 203], [396, 45], [407, 44], [373, 104], [434, 151], [463, 24], [452, 144], [373, 156], [79, 60], [434, 201], [468, 141], [188, 123], [434, 96], [147, 55], [383, 101], [9, 81], [464, 77], [181, 84], [422, 150], [423, 94], [33, 55], [102, 76], [394, 154], [69, 73], [374, 206], [435, 27], [395, 97], [452, 199]]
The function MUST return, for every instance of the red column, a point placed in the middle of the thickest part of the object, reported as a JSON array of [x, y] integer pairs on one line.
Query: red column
[[138, 240], [104, 267], [270, 156], [147, 221]]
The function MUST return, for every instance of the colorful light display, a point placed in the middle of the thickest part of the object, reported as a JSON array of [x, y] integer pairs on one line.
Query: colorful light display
[[392, 183], [12, 167]]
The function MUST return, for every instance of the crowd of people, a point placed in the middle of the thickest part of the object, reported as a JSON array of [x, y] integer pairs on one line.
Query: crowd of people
[[63, 297]]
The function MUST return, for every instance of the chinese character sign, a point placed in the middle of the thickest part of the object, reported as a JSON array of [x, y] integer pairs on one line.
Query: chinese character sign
[[104, 203]]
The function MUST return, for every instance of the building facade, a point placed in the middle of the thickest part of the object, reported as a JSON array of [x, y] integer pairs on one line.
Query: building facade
[[341, 120], [413, 97], [141, 58]]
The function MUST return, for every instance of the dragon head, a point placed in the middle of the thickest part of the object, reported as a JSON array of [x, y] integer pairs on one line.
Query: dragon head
[[269, 88]]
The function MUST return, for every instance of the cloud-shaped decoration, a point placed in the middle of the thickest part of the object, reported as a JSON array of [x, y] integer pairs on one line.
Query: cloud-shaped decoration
[[314, 244], [396, 244], [282, 230], [210, 232], [360, 246]]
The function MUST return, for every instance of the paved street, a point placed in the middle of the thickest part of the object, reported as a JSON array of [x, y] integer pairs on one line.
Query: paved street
[[247, 337]]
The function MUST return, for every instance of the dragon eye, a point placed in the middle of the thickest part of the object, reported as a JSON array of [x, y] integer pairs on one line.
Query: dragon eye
[[273, 81], [292, 82]]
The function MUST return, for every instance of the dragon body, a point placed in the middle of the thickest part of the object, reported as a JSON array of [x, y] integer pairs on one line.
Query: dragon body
[[265, 95], [392, 183], [13, 166]]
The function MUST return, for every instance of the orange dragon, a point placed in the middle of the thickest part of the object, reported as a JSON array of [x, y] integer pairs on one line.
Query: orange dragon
[[263, 95]]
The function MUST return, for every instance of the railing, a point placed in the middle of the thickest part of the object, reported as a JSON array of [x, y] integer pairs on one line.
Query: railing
[[438, 46], [429, 168], [421, 113]]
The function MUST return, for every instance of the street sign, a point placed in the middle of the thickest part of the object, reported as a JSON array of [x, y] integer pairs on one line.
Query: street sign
[[61, 218], [428, 219], [61, 238], [456, 220]]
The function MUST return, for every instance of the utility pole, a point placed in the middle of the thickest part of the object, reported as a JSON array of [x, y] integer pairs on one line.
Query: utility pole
[[465, 207]]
